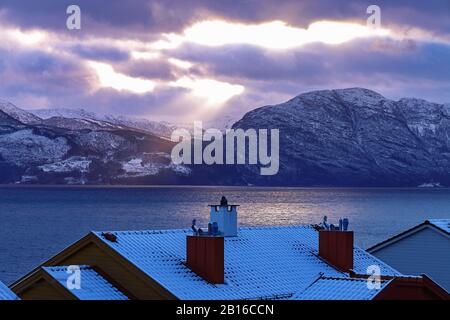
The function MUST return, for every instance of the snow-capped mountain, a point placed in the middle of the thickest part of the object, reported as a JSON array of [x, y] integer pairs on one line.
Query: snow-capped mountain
[[162, 129], [81, 150], [355, 137], [18, 114], [64, 113], [80, 124], [349, 137]]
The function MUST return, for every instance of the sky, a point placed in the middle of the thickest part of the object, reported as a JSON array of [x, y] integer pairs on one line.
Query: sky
[[191, 60]]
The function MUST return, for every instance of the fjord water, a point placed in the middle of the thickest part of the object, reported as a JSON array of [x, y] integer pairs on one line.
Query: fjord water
[[37, 222]]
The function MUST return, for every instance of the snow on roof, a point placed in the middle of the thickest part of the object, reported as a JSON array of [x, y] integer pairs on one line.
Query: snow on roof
[[6, 293], [260, 263], [92, 285], [329, 288], [443, 224]]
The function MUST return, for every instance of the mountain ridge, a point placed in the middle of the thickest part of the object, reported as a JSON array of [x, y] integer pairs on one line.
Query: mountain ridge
[[156, 127], [345, 137], [355, 137], [61, 150], [18, 114]]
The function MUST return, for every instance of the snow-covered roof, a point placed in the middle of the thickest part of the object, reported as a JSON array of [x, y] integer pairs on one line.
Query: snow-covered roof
[[440, 224], [92, 285], [260, 263], [443, 224], [330, 288], [6, 293]]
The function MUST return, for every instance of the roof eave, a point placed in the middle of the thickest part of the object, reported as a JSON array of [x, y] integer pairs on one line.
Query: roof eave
[[16, 285], [404, 234]]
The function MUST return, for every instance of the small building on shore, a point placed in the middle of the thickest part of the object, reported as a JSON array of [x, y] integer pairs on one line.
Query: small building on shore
[[423, 249]]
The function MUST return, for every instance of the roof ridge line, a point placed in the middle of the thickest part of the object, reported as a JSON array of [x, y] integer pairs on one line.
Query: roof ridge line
[[156, 231]]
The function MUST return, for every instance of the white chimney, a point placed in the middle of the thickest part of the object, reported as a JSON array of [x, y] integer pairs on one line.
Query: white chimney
[[225, 216]]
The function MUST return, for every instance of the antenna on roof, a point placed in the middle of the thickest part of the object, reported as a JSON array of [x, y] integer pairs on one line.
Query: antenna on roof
[[325, 223], [197, 231], [345, 223], [342, 226]]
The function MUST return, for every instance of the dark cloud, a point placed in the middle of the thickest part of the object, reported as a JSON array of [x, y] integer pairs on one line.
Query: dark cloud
[[154, 105], [40, 73], [144, 17], [395, 68], [157, 68], [100, 53], [324, 63], [36, 63], [249, 62]]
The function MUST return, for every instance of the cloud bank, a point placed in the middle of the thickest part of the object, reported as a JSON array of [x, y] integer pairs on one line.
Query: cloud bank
[[186, 60]]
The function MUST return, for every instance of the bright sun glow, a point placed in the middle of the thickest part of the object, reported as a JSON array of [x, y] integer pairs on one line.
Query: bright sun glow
[[339, 32], [145, 55], [215, 92], [110, 79], [27, 38], [274, 35], [180, 63], [212, 91]]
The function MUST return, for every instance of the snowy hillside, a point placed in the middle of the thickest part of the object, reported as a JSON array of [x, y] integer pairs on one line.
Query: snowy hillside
[[350, 137], [82, 150], [18, 114], [162, 129], [355, 137], [64, 113]]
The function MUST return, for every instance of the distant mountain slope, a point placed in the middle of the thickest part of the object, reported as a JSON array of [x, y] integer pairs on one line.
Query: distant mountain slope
[[64, 113], [18, 114], [6, 119], [355, 137], [350, 137], [80, 124], [62, 150], [159, 128]]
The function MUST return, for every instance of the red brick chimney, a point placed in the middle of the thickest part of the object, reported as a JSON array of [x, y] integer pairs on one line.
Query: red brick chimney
[[336, 247], [205, 256]]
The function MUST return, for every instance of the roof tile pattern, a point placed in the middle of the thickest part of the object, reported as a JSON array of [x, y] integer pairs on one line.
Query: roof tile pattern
[[260, 263], [326, 288], [443, 224], [92, 285], [6, 293]]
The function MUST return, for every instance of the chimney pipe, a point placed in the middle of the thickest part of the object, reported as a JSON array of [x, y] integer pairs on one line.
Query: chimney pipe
[[225, 216]]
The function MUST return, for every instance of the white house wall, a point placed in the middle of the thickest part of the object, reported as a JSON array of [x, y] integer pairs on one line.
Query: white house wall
[[426, 251]]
